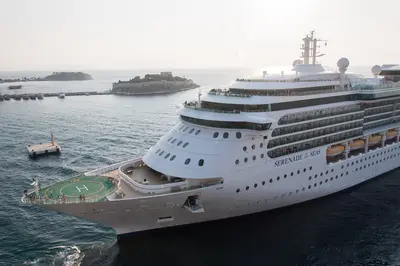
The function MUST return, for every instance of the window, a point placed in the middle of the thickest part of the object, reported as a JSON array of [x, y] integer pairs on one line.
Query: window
[[161, 153], [244, 148], [173, 141], [216, 134], [247, 188], [197, 132], [304, 170], [166, 156], [263, 183], [255, 185], [270, 180], [238, 135], [226, 135], [261, 145], [237, 190], [254, 158], [298, 171], [253, 146], [185, 145], [158, 151], [172, 158], [186, 128], [262, 155], [245, 160], [309, 178], [285, 175], [179, 143], [310, 168], [237, 162], [201, 162], [187, 161], [191, 131], [278, 178], [169, 139]]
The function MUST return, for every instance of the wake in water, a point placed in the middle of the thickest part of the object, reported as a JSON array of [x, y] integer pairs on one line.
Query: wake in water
[[66, 256]]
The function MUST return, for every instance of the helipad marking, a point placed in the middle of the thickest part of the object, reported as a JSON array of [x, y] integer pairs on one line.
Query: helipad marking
[[84, 187]]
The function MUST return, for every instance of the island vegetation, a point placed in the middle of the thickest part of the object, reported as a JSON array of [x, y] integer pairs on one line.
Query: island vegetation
[[155, 77], [55, 76]]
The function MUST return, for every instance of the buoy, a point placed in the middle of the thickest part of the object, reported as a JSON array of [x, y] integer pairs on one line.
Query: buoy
[[334, 150], [356, 144]]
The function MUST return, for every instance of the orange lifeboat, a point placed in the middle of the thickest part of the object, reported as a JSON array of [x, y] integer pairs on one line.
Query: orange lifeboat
[[391, 134], [356, 144], [334, 150], [373, 140]]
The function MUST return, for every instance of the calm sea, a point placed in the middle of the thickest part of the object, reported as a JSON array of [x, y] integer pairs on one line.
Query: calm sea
[[359, 226]]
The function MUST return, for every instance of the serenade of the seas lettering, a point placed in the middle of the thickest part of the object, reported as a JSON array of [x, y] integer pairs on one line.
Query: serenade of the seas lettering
[[297, 157]]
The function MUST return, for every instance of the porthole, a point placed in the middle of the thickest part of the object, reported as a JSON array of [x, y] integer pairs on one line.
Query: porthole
[[173, 141], [347, 173], [278, 178], [291, 174], [185, 145], [238, 135], [304, 188], [172, 158], [201, 162], [285, 175], [244, 148], [247, 188], [261, 145], [191, 131], [254, 158], [297, 191], [158, 151], [169, 139], [255, 185], [352, 163], [166, 156], [320, 183], [331, 170], [331, 178], [187, 161], [263, 183], [326, 180], [321, 174], [304, 170], [270, 180], [357, 161], [253, 146], [310, 168], [197, 132], [309, 178], [315, 184], [245, 160], [326, 172], [315, 176], [309, 187], [215, 135], [161, 153], [226, 135], [237, 162], [262, 155], [179, 143], [298, 171], [237, 190], [342, 166]]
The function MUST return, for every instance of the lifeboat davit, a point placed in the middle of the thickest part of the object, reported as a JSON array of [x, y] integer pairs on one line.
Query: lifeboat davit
[[334, 150], [373, 140], [391, 134], [356, 144]]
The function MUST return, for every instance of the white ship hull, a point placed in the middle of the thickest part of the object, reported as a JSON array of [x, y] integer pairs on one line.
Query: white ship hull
[[223, 201]]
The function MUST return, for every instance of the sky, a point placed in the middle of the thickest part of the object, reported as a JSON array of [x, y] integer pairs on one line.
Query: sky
[[133, 34]]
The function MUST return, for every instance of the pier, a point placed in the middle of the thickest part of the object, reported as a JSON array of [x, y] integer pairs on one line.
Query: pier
[[33, 96]]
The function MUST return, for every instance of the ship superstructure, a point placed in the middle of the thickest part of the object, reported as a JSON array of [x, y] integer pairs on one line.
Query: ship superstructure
[[264, 143]]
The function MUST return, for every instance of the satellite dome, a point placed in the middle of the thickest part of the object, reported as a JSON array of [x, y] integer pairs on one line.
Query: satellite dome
[[343, 63], [297, 62], [376, 70]]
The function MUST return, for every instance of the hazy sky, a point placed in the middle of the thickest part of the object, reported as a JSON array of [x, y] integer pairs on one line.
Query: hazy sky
[[131, 34]]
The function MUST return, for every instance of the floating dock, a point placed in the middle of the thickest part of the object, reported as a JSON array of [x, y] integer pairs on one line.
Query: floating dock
[[43, 149]]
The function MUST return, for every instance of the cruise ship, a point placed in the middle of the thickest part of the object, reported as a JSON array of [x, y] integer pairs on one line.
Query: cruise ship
[[266, 142]]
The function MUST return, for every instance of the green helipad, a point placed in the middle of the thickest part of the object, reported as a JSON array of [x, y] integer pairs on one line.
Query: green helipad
[[93, 188]]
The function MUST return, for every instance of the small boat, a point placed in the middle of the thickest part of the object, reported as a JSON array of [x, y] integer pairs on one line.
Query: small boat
[[373, 140], [87, 93], [17, 97], [356, 144], [14, 87], [391, 134], [1, 98], [61, 96], [334, 150], [7, 97], [39, 96], [25, 97], [32, 97]]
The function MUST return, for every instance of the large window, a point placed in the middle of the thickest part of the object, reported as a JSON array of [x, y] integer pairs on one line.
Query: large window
[[226, 124]]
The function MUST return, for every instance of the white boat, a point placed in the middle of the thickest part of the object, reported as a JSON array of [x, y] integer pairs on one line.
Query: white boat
[[258, 146], [61, 95]]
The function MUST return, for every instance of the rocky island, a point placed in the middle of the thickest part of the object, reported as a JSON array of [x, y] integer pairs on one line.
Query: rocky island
[[56, 76], [161, 83]]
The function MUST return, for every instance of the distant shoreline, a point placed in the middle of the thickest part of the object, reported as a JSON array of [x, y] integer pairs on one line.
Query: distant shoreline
[[56, 76]]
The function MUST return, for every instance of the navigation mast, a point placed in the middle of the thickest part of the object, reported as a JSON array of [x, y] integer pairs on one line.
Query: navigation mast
[[310, 48]]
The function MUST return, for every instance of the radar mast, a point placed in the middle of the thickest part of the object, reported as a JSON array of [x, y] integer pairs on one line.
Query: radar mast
[[310, 48]]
